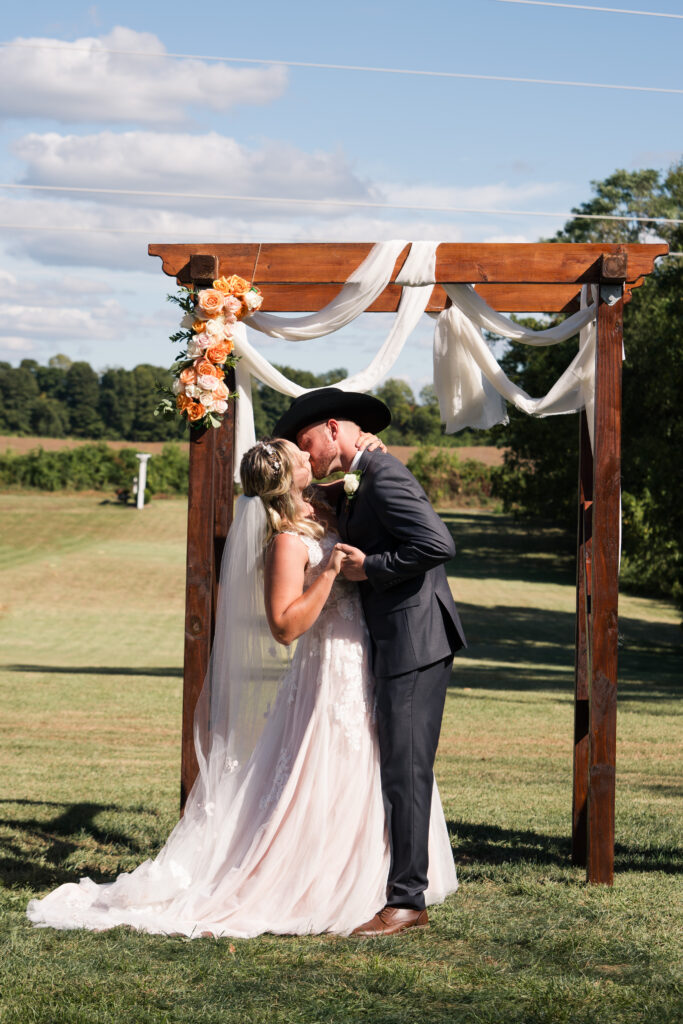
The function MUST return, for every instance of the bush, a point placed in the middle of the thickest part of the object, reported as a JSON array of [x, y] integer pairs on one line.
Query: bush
[[447, 480], [95, 467]]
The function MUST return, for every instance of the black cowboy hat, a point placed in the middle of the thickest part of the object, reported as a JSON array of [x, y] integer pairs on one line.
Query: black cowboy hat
[[332, 403]]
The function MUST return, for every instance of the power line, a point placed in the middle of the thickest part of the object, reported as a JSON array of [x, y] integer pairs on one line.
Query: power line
[[70, 48], [587, 7], [360, 203]]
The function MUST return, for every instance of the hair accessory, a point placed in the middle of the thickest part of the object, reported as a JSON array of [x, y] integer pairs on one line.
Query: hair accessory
[[268, 448]]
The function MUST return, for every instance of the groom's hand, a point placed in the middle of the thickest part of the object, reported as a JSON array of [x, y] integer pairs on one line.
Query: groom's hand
[[354, 560]]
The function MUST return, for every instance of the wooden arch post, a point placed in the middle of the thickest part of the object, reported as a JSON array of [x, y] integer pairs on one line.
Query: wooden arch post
[[542, 277]]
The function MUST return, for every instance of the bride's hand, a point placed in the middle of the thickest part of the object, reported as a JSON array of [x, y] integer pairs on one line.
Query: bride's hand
[[369, 441], [335, 560]]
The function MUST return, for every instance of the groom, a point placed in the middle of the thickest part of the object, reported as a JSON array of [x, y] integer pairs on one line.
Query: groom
[[395, 546]]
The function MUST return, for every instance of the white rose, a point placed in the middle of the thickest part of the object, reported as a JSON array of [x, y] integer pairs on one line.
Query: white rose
[[219, 406], [195, 348], [207, 381], [252, 300], [192, 391], [189, 319], [215, 329], [206, 399], [351, 483], [177, 388]]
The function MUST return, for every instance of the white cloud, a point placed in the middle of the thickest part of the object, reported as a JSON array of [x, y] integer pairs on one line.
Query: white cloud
[[41, 313], [118, 228], [79, 82], [179, 162]]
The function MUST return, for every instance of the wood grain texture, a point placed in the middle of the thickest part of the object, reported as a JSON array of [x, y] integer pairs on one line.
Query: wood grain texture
[[198, 593], [604, 592], [332, 263], [582, 654]]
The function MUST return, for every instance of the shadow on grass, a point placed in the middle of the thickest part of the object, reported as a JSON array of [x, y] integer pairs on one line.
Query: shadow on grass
[[510, 549], [99, 670], [485, 845], [517, 647], [533, 649], [34, 850]]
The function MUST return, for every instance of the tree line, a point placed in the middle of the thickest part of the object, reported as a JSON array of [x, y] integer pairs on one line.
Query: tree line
[[70, 399]]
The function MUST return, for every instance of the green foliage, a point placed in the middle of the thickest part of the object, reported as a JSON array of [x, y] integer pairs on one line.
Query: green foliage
[[65, 399], [94, 467], [448, 481], [539, 476]]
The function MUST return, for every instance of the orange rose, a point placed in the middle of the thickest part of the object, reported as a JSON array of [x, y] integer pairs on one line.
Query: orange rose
[[182, 402], [188, 376], [217, 353], [198, 326], [204, 366], [195, 411], [220, 392], [210, 301], [233, 285]]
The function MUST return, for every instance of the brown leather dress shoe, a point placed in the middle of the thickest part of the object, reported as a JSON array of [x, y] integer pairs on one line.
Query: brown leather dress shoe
[[391, 921]]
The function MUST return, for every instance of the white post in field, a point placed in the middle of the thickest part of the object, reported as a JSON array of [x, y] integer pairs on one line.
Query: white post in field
[[142, 479]]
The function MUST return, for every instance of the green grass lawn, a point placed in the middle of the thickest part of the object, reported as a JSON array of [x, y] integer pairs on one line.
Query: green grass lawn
[[91, 603]]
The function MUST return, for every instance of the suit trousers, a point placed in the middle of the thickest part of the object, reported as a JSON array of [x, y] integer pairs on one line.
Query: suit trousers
[[409, 712]]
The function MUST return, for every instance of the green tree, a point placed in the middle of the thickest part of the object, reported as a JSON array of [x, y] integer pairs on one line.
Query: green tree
[[117, 403], [269, 405], [82, 399], [652, 421], [18, 391]]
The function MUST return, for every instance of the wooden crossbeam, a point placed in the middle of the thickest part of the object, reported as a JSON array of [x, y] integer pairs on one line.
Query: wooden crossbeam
[[332, 263]]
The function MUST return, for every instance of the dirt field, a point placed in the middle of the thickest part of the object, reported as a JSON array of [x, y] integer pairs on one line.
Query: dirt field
[[21, 445]]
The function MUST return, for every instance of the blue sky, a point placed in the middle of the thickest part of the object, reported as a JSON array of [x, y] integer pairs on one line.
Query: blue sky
[[147, 122]]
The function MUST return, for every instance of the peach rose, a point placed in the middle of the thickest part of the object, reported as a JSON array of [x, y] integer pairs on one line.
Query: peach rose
[[220, 392], [217, 353], [219, 406], [231, 308], [195, 411], [203, 366], [210, 301], [198, 326], [188, 376], [233, 285], [182, 403]]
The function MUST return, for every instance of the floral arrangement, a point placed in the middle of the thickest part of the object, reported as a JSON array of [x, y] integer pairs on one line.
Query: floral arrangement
[[199, 392]]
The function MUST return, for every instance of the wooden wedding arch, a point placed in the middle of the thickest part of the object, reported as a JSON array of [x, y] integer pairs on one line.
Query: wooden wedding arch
[[543, 277]]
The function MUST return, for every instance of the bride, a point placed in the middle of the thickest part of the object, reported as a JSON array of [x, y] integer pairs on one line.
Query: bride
[[284, 828]]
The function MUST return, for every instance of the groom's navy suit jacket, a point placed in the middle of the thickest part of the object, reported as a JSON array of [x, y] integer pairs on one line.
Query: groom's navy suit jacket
[[409, 609]]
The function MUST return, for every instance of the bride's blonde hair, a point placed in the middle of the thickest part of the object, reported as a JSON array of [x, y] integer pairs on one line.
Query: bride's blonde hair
[[267, 470]]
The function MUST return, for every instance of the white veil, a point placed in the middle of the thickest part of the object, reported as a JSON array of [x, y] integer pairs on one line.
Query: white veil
[[245, 668]]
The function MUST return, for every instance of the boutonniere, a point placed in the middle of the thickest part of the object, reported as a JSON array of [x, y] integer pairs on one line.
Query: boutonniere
[[351, 484]]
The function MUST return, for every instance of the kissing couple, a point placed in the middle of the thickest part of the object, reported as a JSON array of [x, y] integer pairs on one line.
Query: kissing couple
[[315, 808]]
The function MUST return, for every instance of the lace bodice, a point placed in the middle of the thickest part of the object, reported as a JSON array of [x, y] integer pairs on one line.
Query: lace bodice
[[344, 599], [335, 650]]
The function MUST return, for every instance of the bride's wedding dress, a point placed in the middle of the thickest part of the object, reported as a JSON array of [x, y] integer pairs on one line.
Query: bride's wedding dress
[[301, 846]]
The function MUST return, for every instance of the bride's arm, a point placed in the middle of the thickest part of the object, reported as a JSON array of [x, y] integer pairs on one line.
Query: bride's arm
[[290, 609]]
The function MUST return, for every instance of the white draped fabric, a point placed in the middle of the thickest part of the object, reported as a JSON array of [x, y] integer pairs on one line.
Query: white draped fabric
[[470, 385]]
